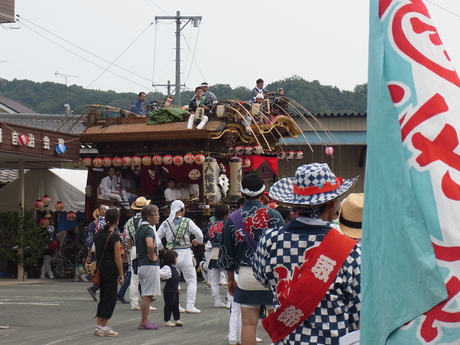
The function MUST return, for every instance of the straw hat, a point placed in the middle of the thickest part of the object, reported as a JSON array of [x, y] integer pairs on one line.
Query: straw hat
[[139, 203], [313, 185], [351, 215], [96, 213]]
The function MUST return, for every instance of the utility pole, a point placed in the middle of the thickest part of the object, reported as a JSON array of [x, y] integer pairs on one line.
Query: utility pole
[[66, 76], [168, 86], [178, 18]]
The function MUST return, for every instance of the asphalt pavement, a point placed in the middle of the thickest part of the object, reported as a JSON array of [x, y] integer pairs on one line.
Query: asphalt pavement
[[61, 311]]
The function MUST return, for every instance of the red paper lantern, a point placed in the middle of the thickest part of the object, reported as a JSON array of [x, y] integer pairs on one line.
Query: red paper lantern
[[126, 161], [97, 162], [137, 161], [167, 159], [289, 155], [257, 150], [116, 162], [246, 163], [59, 206], [107, 162], [298, 155], [199, 158], [147, 161], [281, 155], [46, 200], [23, 140], [231, 151], [239, 150], [189, 158], [329, 150], [44, 222], [39, 205], [248, 150], [87, 162], [178, 160], [71, 216], [157, 160]]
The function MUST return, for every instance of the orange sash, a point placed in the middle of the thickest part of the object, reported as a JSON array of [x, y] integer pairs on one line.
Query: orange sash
[[317, 273]]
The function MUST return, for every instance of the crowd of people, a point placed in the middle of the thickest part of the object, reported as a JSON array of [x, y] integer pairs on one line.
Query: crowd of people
[[270, 260]]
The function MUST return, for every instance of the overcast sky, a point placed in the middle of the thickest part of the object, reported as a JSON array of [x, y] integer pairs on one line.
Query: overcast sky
[[116, 45]]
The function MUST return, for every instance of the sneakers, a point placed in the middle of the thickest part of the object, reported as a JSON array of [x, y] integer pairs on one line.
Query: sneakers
[[136, 308], [148, 326], [152, 308], [219, 304], [170, 324], [181, 310], [193, 311], [92, 293], [105, 332], [178, 323], [258, 340]]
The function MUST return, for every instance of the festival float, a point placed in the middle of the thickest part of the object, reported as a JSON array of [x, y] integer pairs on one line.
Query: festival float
[[238, 138]]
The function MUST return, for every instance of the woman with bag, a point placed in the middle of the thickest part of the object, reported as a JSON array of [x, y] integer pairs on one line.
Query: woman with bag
[[110, 271]]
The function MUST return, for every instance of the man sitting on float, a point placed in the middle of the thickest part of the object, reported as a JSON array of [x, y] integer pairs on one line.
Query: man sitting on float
[[199, 108]]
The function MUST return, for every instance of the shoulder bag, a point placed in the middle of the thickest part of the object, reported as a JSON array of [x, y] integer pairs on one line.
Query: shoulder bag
[[96, 278]]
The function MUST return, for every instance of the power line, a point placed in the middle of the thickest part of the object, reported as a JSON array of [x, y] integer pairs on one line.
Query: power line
[[21, 19], [442, 8]]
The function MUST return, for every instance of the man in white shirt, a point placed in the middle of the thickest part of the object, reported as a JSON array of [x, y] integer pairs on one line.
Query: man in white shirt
[[171, 193], [108, 189]]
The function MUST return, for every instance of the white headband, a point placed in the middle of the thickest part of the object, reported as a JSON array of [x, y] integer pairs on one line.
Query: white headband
[[248, 192], [176, 206]]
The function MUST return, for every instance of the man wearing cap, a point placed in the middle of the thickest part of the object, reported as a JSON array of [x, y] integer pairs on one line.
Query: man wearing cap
[[129, 232], [312, 269], [177, 230], [240, 235]]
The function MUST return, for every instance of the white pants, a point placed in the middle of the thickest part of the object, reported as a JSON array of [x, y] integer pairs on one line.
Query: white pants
[[115, 196], [46, 267], [214, 280], [126, 195], [234, 325], [134, 285], [186, 266]]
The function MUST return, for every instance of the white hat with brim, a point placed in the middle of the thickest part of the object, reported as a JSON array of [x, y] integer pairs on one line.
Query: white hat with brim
[[314, 184]]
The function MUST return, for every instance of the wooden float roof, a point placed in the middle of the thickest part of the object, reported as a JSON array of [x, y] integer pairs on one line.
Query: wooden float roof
[[136, 129]]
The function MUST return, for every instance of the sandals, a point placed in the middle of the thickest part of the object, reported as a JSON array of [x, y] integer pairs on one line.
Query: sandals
[[149, 325]]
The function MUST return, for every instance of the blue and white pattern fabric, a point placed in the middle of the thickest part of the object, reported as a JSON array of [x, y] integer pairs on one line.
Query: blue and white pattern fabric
[[280, 254], [294, 190], [137, 106], [257, 218]]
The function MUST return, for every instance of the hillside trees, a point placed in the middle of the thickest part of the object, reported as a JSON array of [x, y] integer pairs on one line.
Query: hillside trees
[[50, 97]]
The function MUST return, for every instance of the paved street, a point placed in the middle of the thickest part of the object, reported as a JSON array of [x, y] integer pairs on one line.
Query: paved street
[[61, 311]]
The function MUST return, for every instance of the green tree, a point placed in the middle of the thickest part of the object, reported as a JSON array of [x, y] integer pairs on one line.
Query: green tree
[[21, 238]]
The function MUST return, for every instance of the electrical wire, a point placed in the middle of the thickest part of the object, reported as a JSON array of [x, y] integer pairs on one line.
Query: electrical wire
[[22, 19], [193, 56], [442, 8], [124, 51]]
